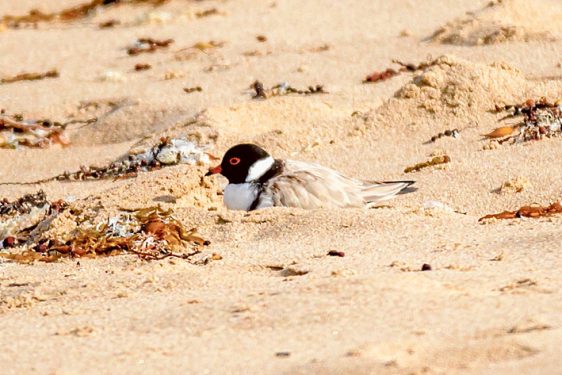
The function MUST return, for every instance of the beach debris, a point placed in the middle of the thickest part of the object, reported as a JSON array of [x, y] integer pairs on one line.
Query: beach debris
[[437, 160], [211, 44], [501, 132], [169, 151], [455, 133], [436, 205], [380, 76], [150, 233], [109, 24], [189, 90], [283, 89], [283, 354], [515, 185], [23, 205], [173, 74], [318, 48], [148, 45], [336, 253], [21, 219], [35, 16], [208, 12], [112, 76], [16, 132], [388, 73], [53, 73], [527, 211], [142, 66], [541, 118], [426, 267], [261, 38]]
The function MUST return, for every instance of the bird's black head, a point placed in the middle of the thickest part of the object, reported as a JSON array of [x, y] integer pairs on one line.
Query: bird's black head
[[243, 163]]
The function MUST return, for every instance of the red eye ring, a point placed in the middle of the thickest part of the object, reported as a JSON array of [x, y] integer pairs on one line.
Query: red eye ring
[[234, 161]]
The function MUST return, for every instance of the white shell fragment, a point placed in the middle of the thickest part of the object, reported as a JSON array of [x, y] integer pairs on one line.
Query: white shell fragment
[[112, 76], [181, 151], [436, 205]]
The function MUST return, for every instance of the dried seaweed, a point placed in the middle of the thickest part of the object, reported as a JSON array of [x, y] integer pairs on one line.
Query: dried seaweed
[[109, 24], [35, 16], [283, 89], [527, 211], [442, 159], [189, 90], [150, 233], [30, 76], [404, 67], [455, 133], [16, 132], [207, 13], [211, 44], [24, 204], [141, 66], [380, 76], [21, 219], [148, 45], [169, 151], [501, 132], [541, 119]]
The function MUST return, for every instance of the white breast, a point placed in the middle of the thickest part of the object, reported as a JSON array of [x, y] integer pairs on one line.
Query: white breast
[[240, 196]]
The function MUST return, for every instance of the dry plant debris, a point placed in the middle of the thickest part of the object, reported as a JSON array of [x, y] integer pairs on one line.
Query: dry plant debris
[[455, 133], [437, 160], [516, 185], [30, 76], [541, 119], [207, 13], [203, 46], [150, 233], [21, 219], [109, 24], [389, 72], [148, 45], [24, 204], [141, 66], [35, 16], [380, 76], [169, 151], [189, 90], [283, 89], [527, 211], [16, 132], [336, 253]]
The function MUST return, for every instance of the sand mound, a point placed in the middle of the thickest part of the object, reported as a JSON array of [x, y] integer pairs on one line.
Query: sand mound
[[458, 92], [281, 123], [505, 21]]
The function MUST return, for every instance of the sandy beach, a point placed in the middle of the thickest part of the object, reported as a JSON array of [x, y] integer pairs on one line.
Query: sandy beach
[[261, 295]]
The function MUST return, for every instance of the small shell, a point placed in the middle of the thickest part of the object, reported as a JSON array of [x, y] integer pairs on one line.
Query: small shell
[[168, 155]]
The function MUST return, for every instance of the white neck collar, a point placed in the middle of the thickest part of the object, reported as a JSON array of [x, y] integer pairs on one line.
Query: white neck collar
[[259, 168]]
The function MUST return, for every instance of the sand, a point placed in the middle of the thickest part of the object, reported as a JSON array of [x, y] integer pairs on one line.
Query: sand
[[276, 303]]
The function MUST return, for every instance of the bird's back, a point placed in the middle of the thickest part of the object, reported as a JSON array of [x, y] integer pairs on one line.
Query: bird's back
[[310, 186]]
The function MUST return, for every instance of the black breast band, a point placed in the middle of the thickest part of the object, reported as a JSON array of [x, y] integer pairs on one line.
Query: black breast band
[[275, 170]]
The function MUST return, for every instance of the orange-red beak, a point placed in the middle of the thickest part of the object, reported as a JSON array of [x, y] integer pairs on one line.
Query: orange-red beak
[[214, 170]]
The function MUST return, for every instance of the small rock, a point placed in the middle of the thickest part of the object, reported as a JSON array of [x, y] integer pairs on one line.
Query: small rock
[[426, 267]]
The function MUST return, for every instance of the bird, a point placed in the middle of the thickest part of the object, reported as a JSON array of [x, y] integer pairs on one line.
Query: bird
[[256, 180]]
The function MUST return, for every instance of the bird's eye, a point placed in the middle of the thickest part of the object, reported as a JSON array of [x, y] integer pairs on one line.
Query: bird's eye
[[234, 161]]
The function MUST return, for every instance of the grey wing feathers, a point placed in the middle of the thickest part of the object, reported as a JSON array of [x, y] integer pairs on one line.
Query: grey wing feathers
[[309, 186], [383, 191]]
